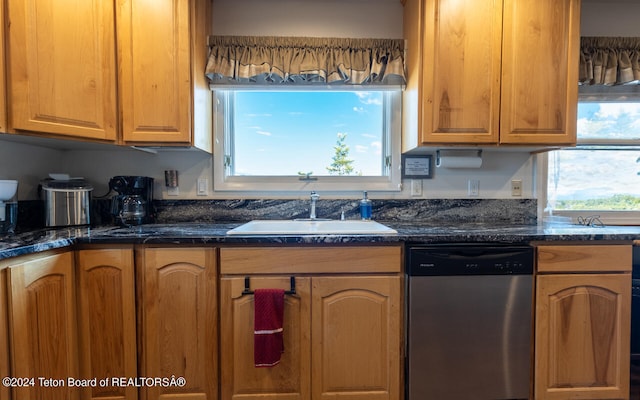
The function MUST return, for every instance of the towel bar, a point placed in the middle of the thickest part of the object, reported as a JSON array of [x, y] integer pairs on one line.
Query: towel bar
[[247, 287]]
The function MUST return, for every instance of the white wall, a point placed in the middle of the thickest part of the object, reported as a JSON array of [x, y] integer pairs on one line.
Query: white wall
[[610, 18], [334, 18], [28, 164], [325, 18]]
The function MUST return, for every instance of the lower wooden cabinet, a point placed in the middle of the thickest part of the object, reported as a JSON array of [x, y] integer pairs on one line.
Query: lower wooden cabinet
[[355, 337], [131, 312], [177, 312], [76, 317], [582, 322], [4, 334], [42, 320], [107, 321], [291, 379], [342, 331]]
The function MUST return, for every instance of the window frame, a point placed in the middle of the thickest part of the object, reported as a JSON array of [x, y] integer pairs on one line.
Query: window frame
[[600, 94], [392, 123]]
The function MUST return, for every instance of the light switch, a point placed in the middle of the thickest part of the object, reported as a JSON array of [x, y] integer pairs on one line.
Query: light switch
[[416, 187], [203, 187]]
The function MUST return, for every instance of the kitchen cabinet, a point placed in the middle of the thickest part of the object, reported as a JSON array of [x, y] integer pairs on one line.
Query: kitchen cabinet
[[106, 320], [42, 320], [582, 321], [162, 54], [4, 334], [342, 327], [177, 312], [129, 73], [72, 319], [3, 80], [494, 72], [61, 68]]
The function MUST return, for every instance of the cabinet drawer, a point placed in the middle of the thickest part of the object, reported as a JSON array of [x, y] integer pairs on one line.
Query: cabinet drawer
[[274, 260], [584, 258]]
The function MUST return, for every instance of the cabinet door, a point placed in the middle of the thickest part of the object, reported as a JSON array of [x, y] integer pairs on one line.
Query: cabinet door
[[288, 380], [356, 335], [461, 71], [42, 318], [582, 336], [178, 314], [540, 71], [3, 77], [107, 322], [4, 334], [62, 68], [154, 47]]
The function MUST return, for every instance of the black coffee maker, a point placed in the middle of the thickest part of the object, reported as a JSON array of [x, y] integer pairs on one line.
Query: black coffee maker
[[133, 205]]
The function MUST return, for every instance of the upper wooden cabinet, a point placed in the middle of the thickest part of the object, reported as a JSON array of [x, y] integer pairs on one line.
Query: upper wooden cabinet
[[492, 72], [162, 53], [62, 69], [3, 77], [129, 72]]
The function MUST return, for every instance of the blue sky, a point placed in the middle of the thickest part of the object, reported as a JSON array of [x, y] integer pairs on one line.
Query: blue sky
[[592, 174], [281, 133]]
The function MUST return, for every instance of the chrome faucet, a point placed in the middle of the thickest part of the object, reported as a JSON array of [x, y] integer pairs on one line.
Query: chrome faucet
[[314, 198]]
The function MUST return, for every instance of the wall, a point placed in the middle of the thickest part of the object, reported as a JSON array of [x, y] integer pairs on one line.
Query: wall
[[28, 164], [336, 18], [610, 18]]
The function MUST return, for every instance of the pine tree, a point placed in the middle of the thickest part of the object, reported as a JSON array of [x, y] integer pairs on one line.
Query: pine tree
[[341, 164]]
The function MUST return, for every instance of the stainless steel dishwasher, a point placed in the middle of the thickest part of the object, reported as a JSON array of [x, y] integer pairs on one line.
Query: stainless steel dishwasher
[[469, 321]]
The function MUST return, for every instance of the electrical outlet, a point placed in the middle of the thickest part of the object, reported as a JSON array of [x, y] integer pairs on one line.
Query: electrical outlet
[[416, 187], [516, 187], [473, 187], [203, 187]]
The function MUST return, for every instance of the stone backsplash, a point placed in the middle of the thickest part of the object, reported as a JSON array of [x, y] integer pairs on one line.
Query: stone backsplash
[[419, 211], [441, 211]]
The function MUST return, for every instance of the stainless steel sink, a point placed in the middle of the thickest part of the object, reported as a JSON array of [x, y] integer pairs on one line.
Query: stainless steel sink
[[311, 227]]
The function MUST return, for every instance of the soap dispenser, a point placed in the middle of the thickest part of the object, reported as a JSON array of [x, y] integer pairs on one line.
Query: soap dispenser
[[365, 207]]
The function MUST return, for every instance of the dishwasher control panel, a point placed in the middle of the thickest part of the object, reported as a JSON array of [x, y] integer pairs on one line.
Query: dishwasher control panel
[[475, 259]]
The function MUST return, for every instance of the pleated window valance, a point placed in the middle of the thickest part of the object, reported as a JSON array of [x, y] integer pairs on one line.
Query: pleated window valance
[[609, 60], [300, 60]]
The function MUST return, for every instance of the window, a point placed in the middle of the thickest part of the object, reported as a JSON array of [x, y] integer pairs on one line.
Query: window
[[335, 139], [601, 176]]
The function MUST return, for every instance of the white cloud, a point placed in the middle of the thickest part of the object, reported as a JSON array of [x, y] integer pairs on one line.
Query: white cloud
[[369, 135], [358, 109], [377, 146], [615, 109], [263, 133], [366, 98], [361, 149]]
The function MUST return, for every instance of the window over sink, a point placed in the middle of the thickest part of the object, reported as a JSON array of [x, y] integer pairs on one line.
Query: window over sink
[[324, 137], [601, 175]]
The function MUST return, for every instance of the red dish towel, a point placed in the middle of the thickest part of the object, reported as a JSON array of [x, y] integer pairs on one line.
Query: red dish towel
[[268, 343]]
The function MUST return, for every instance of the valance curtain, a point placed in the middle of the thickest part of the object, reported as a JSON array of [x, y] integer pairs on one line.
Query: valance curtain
[[272, 59], [609, 60]]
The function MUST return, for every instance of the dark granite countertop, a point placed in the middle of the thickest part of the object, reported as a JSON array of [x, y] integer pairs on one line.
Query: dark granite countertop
[[215, 233]]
